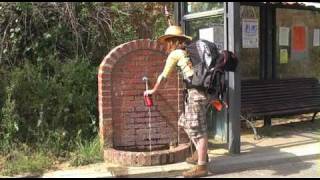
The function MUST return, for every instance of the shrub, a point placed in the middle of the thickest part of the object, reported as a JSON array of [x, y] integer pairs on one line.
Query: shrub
[[19, 162], [49, 54], [55, 101], [9, 122], [3, 85], [87, 152]]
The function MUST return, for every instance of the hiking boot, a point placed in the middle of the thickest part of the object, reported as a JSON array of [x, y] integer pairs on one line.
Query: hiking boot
[[197, 171], [194, 158]]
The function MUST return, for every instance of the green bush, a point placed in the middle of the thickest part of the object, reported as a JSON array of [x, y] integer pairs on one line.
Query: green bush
[[9, 122], [55, 102], [3, 85], [49, 58], [87, 152], [19, 162]]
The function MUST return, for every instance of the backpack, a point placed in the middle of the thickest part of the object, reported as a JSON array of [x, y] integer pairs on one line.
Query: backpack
[[209, 66]]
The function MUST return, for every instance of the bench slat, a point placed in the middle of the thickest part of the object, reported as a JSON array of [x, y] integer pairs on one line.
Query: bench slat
[[271, 100], [280, 97]]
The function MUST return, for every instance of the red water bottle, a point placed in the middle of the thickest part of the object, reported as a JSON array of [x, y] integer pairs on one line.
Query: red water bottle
[[147, 97], [148, 100]]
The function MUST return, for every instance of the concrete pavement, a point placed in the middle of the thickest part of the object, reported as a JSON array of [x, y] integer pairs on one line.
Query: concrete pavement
[[299, 169], [296, 149]]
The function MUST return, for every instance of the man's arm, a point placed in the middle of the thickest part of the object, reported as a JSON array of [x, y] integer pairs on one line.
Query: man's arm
[[156, 86], [171, 63]]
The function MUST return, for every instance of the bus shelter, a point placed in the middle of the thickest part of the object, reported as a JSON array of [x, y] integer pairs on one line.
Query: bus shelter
[[273, 41]]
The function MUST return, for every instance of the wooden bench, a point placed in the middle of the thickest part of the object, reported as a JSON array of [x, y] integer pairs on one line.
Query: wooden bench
[[271, 98]]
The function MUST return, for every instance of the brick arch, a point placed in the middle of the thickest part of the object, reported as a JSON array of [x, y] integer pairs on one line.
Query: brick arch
[[122, 114]]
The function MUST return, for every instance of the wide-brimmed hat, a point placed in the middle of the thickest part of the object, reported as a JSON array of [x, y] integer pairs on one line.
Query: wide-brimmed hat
[[173, 31]]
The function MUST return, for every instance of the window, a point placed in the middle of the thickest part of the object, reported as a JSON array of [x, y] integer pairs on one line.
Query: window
[[202, 15], [195, 7], [199, 16], [193, 26], [250, 57]]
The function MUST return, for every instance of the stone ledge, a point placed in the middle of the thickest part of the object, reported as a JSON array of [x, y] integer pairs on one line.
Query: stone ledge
[[130, 158]]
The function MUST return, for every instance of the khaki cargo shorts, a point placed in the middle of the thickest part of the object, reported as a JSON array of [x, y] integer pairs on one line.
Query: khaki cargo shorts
[[193, 120]]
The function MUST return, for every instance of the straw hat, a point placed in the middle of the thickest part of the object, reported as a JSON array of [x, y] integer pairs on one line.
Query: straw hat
[[173, 31]]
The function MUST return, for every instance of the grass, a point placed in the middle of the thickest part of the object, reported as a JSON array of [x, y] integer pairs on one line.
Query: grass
[[31, 162], [87, 152], [21, 162]]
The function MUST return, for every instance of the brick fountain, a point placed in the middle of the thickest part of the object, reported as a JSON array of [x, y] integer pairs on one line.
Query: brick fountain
[[123, 116]]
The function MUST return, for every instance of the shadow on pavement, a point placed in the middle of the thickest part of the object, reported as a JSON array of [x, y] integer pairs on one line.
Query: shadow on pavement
[[258, 155]]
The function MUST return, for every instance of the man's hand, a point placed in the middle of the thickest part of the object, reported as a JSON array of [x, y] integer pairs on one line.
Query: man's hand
[[148, 92], [156, 86]]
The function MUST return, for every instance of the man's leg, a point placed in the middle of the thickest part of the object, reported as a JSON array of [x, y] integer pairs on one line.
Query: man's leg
[[201, 169], [193, 159], [196, 116], [202, 144], [202, 150]]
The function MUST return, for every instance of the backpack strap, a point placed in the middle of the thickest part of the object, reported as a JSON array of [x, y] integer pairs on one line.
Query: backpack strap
[[225, 56]]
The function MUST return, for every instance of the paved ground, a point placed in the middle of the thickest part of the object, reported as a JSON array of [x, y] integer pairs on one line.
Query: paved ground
[[302, 169], [290, 152], [284, 151]]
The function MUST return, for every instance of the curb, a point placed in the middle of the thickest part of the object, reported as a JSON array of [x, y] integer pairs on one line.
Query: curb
[[169, 170]]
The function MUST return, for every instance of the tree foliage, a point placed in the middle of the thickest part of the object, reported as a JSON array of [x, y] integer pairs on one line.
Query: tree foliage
[[49, 54], [36, 30]]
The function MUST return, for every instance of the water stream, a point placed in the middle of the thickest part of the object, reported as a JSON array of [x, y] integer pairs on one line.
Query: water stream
[[150, 144], [150, 115]]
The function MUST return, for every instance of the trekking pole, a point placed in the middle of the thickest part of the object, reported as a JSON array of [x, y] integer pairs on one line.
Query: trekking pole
[[178, 128]]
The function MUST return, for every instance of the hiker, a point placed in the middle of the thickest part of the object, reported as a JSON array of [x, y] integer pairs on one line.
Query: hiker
[[193, 120]]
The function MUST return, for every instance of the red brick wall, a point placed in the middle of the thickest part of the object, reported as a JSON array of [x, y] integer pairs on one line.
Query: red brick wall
[[122, 113]]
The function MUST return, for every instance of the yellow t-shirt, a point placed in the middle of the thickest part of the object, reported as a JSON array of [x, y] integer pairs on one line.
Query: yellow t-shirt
[[178, 58]]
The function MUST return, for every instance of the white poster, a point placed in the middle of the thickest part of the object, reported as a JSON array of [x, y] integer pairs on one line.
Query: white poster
[[250, 34], [218, 36], [316, 37], [213, 34], [284, 36], [206, 34]]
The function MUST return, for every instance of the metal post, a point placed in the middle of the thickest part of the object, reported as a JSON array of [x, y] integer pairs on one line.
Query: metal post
[[182, 13], [177, 13], [270, 46], [270, 13], [232, 39], [263, 43]]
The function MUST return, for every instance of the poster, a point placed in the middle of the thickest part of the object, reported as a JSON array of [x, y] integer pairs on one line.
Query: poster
[[283, 56], [218, 36], [284, 36], [206, 34], [214, 34], [316, 37], [250, 34], [299, 38]]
